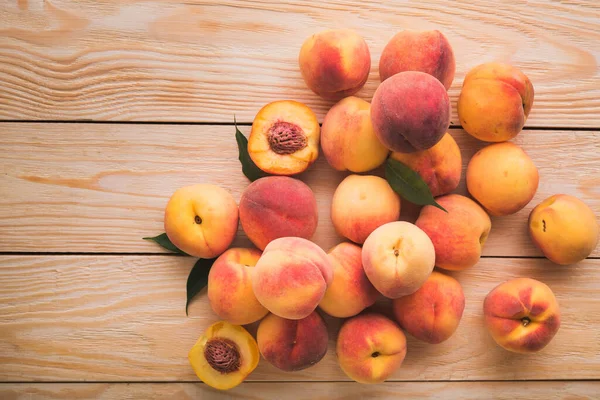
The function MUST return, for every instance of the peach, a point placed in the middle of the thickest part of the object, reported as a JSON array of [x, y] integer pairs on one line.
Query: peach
[[458, 235], [293, 345], [284, 139], [350, 291], [370, 348], [398, 257], [425, 51], [347, 137], [230, 287], [224, 355], [360, 204], [564, 228], [502, 178], [522, 315], [440, 166], [201, 220], [410, 111], [335, 63], [291, 277], [433, 312], [495, 101], [277, 206]]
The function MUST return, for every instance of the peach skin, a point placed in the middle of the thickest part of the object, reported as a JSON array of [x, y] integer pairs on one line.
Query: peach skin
[[278, 206], [291, 277], [440, 166], [433, 312], [370, 348], [494, 102], [201, 220], [564, 228], [285, 138], [522, 315], [348, 139], [458, 235], [230, 287], [335, 63], [293, 345], [350, 292]]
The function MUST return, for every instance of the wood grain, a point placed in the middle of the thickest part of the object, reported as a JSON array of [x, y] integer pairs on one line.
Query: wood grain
[[122, 318], [298, 391], [166, 60], [102, 187]]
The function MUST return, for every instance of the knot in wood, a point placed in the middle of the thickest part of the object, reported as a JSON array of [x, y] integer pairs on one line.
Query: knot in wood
[[222, 355], [286, 138]]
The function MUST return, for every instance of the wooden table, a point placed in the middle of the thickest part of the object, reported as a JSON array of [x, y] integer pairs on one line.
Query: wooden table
[[107, 107]]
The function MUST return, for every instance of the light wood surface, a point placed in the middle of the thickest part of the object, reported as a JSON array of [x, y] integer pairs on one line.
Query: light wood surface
[[198, 60], [122, 318], [314, 391], [102, 187]]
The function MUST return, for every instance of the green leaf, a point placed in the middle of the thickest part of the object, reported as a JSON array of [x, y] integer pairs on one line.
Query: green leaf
[[198, 279], [409, 184], [249, 169], [163, 240]]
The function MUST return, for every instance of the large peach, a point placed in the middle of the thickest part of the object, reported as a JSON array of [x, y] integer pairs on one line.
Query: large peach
[[224, 355], [350, 291], [564, 228], [522, 315], [292, 345], [458, 235], [370, 348], [335, 63], [230, 287], [433, 312], [277, 206], [440, 166], [398, 257], [348, 139], [495, 101], [360, 204], [502, 178], [201, 220], [291, 277], [425, 51], [410, 111], [285, 138]]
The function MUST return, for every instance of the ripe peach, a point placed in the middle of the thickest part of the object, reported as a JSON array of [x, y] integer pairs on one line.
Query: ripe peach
[[564, 228], [440, 166], [398, 257], [291, 277], [458, 235], [348, 139], [224, 355], [425, 51], [410, 111], [502, 178], [494, 102], [292, 345], [285, 138], [350, 291], [201, 220], [335, 63], [360, 204], [230, 287], [370, 348], [522, 315], [433, 312], [277, 206]]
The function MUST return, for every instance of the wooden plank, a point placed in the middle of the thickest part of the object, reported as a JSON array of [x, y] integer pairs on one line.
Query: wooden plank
[[298, 391], [200, 61], [102, 187], [122, 318]]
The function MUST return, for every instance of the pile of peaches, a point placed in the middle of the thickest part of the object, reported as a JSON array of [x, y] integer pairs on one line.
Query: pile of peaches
[[282, 282]]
